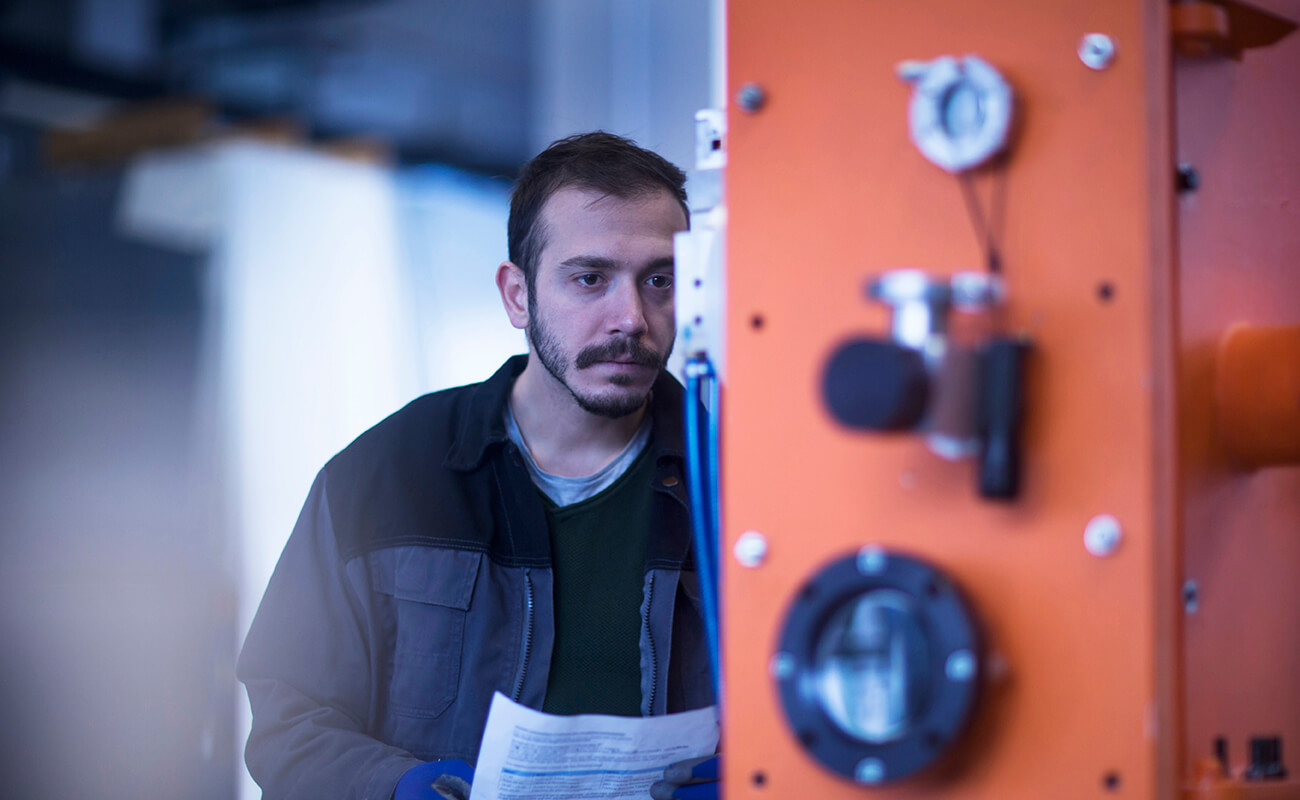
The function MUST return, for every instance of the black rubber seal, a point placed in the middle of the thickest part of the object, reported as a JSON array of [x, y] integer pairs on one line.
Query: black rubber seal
[[948, 626]]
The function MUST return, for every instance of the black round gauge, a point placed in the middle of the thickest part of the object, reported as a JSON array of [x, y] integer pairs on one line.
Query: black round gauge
[[879, 665]]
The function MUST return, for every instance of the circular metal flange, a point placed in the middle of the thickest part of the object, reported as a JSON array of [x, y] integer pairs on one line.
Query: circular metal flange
[[879, 665], [960, 114]]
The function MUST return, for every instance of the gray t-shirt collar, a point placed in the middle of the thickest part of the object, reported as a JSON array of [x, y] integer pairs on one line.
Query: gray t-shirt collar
[[566, 491]]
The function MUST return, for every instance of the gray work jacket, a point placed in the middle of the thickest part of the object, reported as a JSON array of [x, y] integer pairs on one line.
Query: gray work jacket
[[417, 582]]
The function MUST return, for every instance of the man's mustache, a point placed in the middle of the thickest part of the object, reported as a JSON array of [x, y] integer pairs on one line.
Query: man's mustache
[[618, 350]]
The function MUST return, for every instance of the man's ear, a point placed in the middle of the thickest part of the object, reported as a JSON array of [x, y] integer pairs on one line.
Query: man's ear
[[514, 293]]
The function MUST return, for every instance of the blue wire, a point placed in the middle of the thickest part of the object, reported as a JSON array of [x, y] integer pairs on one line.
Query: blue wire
[[703, 506], [714, 467]]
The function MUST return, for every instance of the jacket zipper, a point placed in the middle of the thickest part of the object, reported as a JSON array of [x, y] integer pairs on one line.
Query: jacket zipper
[[528, 636], [650, 640]]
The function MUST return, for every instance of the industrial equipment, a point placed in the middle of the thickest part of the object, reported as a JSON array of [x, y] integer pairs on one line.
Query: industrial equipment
[[1010, 409]]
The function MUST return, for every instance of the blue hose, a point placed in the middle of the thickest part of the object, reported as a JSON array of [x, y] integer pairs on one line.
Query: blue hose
[[702, 485]]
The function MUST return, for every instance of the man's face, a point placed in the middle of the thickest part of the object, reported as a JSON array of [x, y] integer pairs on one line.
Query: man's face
[[601, 312]]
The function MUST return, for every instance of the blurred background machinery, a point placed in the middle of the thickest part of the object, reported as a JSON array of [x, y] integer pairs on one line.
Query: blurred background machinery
[[1011, 408]]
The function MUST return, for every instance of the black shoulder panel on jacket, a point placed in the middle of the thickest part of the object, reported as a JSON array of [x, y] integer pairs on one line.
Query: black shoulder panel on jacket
[[436, 473], [390, 486]]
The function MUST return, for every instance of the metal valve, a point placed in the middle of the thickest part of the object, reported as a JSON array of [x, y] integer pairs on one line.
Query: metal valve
[[964, 397], [961, 110]]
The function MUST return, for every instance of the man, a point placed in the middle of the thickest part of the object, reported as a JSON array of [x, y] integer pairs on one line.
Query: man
[[527, 535]]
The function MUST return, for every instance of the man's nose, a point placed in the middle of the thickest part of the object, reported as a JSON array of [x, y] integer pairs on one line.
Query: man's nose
[[627, 316]]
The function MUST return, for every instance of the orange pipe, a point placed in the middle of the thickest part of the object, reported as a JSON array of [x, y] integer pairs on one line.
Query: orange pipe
[[1257, 394]]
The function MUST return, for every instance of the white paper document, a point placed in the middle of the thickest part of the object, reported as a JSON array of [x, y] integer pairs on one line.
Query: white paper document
[[529, 755]]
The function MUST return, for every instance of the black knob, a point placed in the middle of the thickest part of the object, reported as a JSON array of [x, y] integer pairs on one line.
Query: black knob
[[876, 385], [1001, 379]]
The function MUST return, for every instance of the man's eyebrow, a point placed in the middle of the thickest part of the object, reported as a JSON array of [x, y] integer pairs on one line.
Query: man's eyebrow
[[601, 262], [589, 262]]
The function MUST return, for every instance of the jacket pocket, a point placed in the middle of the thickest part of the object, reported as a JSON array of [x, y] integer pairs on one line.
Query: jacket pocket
[[431, 590]]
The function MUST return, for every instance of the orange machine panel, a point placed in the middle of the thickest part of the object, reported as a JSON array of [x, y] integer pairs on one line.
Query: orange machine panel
[[825, 190], [1089, 687]]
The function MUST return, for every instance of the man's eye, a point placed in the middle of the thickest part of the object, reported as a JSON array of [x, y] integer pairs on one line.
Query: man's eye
[[588, 279], [661, 281]]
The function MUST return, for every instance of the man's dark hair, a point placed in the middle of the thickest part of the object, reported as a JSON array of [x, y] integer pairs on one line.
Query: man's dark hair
[[598, 161]]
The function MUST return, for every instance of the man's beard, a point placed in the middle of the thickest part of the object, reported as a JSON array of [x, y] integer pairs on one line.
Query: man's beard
[[626, 349]]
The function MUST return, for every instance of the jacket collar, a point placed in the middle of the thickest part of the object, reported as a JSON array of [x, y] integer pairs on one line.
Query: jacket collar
[[482, 423]]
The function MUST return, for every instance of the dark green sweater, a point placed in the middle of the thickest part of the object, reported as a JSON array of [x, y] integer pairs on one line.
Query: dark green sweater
[[598, 550]]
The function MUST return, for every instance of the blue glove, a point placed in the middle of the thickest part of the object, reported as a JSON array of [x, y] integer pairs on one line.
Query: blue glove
[[692, 779], [435, 780]]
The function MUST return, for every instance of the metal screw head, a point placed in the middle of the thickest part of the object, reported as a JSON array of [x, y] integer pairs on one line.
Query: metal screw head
[[960, 666], [1097, 50], [871, 560], [751, 97], [1189, 180], [1102, 535], [976, 291], [912, 70], [782, 666], [869, 770], [750, 549]]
